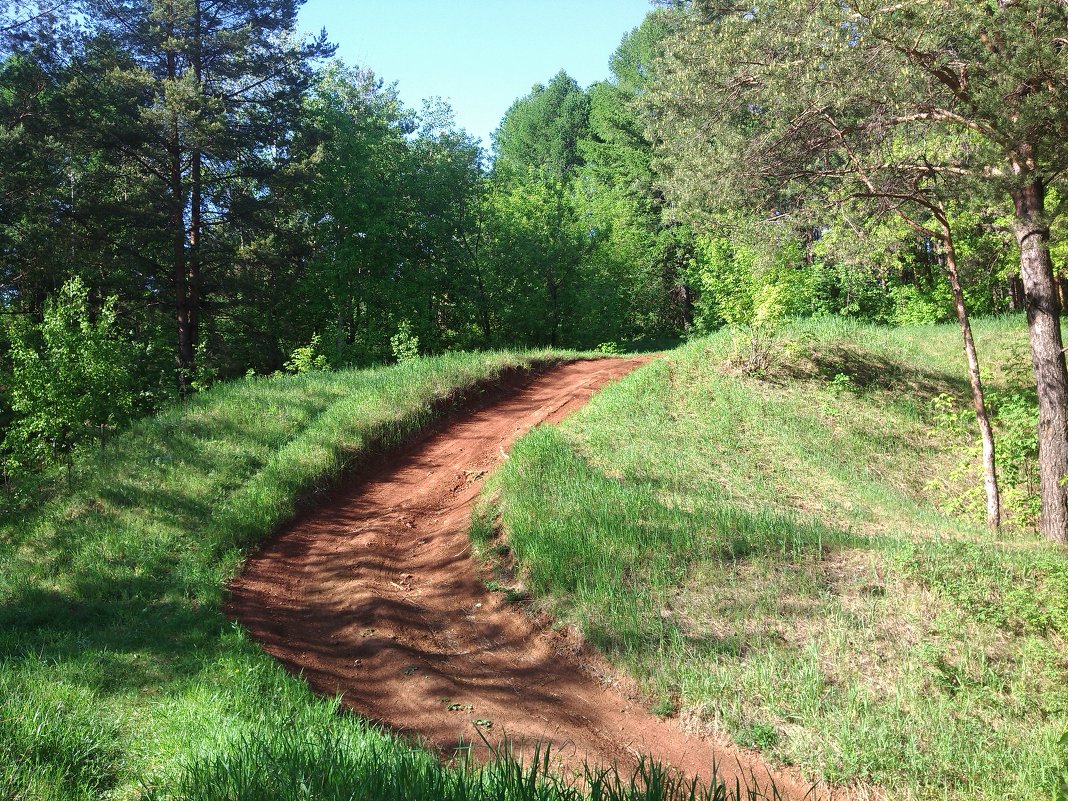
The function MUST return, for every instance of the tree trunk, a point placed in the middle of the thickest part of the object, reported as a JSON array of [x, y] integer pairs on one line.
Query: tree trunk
[[986, 431], [196, 203], [195, 234], [1016, 293], [186, 349], [1047, 357]]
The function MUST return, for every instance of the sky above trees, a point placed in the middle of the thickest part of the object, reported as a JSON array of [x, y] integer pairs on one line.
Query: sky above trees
[[480, 55]]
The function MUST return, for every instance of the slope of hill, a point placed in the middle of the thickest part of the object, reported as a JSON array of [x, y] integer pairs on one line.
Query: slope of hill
[[119, 672], [772, 557]]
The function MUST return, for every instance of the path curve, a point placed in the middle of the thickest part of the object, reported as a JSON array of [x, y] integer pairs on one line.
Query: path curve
[[375, 596]]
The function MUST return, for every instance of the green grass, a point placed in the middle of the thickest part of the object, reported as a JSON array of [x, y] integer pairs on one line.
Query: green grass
[[119, 675], [773, 557]]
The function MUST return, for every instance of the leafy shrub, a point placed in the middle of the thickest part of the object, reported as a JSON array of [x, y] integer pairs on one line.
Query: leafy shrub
[[914, 306], [307, 358], [205, 372], [1015, 416], [609, 349], [70, 380], [405, 343], [840, 384]]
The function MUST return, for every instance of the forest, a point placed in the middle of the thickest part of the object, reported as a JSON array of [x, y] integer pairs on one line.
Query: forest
[[190, 193], [803, 264]]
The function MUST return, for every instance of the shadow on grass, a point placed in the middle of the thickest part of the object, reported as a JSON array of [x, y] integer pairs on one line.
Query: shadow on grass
[[869, 371], [117, 631], [614, 553]]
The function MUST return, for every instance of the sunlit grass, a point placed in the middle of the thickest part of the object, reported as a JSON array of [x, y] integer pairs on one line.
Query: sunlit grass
[[772, 558]]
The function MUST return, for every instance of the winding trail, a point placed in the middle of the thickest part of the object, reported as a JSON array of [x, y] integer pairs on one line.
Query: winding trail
[[375, 596]]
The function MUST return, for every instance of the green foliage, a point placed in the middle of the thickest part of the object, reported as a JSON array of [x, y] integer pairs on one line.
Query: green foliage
[[307, 358], [723, 277], [541, 131], [858, 160], [1015, 416], [204, 371], [70, 380], [403, 232], [840, 383], [914, 306], [1013, 411], [404, 343], [539, 247], [741, 286]]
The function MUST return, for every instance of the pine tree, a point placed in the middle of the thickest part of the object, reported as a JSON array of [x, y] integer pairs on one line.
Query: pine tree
[[222, 84]]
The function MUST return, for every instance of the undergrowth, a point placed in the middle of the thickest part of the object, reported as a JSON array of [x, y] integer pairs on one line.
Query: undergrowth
[[780, 558]]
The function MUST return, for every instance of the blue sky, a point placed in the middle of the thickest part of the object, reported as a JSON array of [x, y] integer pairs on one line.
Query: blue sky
[[480, 55]]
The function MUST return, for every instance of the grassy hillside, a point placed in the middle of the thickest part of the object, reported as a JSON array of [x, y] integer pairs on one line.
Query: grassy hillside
[[773, 558], [118, 672]]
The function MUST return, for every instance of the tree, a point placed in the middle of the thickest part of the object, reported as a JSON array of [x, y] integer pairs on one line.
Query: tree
[[71, 378], [643, 253], [997, 72], [542, 131], [445, 173], [361, 204], [397, 201], [539, 251], [222, 84], [903, 105]]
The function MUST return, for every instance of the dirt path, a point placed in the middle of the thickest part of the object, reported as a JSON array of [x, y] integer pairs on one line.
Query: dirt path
[[376, 596]]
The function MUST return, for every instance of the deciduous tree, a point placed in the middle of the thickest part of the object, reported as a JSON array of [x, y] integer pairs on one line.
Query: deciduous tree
[[799, 106]]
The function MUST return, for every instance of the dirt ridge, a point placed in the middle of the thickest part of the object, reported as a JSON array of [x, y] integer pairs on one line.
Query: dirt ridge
[[374, 596]]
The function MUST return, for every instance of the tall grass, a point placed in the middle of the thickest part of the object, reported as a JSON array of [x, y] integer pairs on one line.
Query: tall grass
[[328, 764], [772, 558], [619, 549]]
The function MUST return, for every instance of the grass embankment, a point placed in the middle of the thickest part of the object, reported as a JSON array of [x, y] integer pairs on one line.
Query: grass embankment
[[119, 674], [769, 556]]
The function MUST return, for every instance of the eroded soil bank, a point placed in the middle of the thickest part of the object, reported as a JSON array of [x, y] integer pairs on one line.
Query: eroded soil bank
[[375, 596]]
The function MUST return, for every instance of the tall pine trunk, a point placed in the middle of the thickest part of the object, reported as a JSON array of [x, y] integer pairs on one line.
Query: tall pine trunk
[[1047, 356], [186, 350], [196, 187], [195, 237], [986, 431]]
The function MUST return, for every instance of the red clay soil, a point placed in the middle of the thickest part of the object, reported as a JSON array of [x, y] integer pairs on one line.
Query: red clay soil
[[375, 596]]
